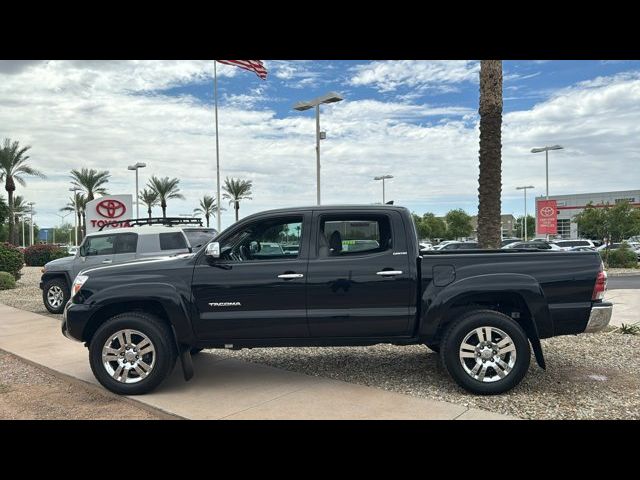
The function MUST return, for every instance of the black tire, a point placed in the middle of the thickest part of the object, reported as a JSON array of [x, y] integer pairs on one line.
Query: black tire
[[467, 323], [55, 283], [433, 346], [157, 332]]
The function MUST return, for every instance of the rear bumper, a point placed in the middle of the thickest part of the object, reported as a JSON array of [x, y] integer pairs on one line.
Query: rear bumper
[[600, 317]]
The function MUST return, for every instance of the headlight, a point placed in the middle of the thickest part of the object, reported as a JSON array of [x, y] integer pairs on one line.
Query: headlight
[[77, 283]]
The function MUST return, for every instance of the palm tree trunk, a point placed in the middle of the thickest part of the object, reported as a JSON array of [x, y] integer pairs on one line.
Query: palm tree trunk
[[490, 181], [237, 209], [207, 219], [164, 210], [149, 211]]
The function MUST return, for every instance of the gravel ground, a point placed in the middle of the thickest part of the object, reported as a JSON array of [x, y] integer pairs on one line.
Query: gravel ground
[[592, 376], [617, 272], [28, 393]]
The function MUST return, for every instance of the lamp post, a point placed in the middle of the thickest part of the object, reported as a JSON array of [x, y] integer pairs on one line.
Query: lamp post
[[62, 217], [31, 204], [331, 97], [524, 219], [383, 178], [75, 210], [136, 167], [546, 155]]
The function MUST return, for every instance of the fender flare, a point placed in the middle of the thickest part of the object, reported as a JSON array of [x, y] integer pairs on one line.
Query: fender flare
[[437, 302], [166, 295]]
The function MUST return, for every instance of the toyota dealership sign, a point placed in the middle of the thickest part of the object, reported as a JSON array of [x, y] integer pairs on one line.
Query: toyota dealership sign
[[547, 217], [112, 211]]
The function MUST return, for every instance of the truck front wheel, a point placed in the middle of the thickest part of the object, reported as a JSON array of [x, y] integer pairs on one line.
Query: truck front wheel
[[132, 353], [55, 294], [486, 352]]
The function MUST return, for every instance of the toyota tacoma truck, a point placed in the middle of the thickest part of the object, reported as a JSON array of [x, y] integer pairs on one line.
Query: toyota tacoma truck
[[356, 278]]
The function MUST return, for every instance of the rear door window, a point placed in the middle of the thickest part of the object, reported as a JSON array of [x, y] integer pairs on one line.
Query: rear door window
[[126, 242], [172, 241], [354, 236]]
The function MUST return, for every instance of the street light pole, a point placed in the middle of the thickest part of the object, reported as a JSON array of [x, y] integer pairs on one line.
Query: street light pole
[[75, 211], [331, 97], [136, 167], [31, 204], [383, 178], [524, 219], [62, 217], [546, 155]]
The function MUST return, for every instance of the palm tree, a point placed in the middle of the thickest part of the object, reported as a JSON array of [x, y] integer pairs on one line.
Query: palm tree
[[19, 206], [490, 181], [78, 205], [149, 198], [166, 189], [207, 208], [12, 167], [236, 190], [91, 181]]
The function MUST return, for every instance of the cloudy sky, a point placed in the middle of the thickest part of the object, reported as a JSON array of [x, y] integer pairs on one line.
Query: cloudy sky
[[416, 120]]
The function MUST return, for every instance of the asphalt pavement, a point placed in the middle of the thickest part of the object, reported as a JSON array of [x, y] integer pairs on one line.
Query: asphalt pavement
[[629, 282]]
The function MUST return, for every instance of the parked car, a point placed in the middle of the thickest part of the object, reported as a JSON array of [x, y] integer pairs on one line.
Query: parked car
[[617, 245], [582, 249], [507, 241], [425, 246], [537, 245], [460, 246], [199, 236], [569, 244], [484, 312], [107, 248]]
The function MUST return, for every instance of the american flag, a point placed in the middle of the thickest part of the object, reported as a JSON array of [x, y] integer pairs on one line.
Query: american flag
[[255, 66]]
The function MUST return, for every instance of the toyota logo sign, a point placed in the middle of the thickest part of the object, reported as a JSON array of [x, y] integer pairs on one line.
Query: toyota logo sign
[[547, 212], [111, 208]]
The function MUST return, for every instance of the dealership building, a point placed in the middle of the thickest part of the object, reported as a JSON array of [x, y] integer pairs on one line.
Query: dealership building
[[570, 205]]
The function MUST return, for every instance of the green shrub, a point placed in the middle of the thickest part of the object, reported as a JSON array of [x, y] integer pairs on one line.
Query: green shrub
[[11, 260], [622, 257], [38, 255], [7, 281]]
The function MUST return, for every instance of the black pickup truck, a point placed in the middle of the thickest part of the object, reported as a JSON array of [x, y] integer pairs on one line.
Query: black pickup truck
[[349, 275]]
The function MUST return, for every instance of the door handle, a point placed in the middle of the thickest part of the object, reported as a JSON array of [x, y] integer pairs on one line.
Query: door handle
[[389, 273], [107, 261], [289, 276]]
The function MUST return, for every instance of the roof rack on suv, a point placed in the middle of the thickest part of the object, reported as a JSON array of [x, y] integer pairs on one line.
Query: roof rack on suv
[[168, 221]]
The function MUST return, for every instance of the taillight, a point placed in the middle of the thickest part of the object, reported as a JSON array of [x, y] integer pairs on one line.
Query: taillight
[[601, 284]]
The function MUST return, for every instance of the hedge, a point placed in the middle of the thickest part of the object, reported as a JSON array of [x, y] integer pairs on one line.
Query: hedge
[[11, 260], [38, 255], [7, 281], [622, 257]]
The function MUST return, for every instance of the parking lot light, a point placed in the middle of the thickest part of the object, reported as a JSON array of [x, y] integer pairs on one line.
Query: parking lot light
[[524, 219], [383, 178], [136, 167]]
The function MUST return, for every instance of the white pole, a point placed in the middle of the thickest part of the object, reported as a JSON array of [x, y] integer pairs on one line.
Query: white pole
[[318, 150], [525, 214], [137, 201], [31, 234], [546, 154], [215, 95], [383, 197], [24, 241], [75, 216]]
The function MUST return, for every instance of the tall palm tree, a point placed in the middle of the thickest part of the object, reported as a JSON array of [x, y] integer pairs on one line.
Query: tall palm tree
[[236, 190], [149, 198], [91, 181], [78, 205], [490, 181], [166, 189], [207, 208], [13, 166]]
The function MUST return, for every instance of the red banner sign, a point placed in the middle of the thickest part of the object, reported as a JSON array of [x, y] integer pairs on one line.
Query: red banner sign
[[547, 217]]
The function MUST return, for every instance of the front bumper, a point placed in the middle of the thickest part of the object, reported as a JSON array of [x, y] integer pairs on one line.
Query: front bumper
[[600, 317], [74, 320]]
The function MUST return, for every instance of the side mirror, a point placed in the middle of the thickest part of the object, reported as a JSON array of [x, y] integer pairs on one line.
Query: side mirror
[[213, 250]]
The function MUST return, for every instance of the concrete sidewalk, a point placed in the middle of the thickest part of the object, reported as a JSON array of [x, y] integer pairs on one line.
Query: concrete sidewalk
[[626, 306], [225, 388]]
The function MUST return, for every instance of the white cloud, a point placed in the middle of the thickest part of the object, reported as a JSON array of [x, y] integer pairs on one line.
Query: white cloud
[[439, 75]]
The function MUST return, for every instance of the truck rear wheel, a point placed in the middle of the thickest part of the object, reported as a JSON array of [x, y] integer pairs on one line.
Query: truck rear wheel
[[132, 353], [486, 352], [55, 294]]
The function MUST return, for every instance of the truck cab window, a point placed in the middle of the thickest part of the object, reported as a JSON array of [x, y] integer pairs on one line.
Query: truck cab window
[[270, 239], [354, 236]]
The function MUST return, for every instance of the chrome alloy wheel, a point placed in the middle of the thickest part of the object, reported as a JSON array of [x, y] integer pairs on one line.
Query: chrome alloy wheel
[[128, 356], [487, 354], [55, 296]]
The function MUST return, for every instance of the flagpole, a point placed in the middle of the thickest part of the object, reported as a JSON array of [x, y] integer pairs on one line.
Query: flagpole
[[215, 94]]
